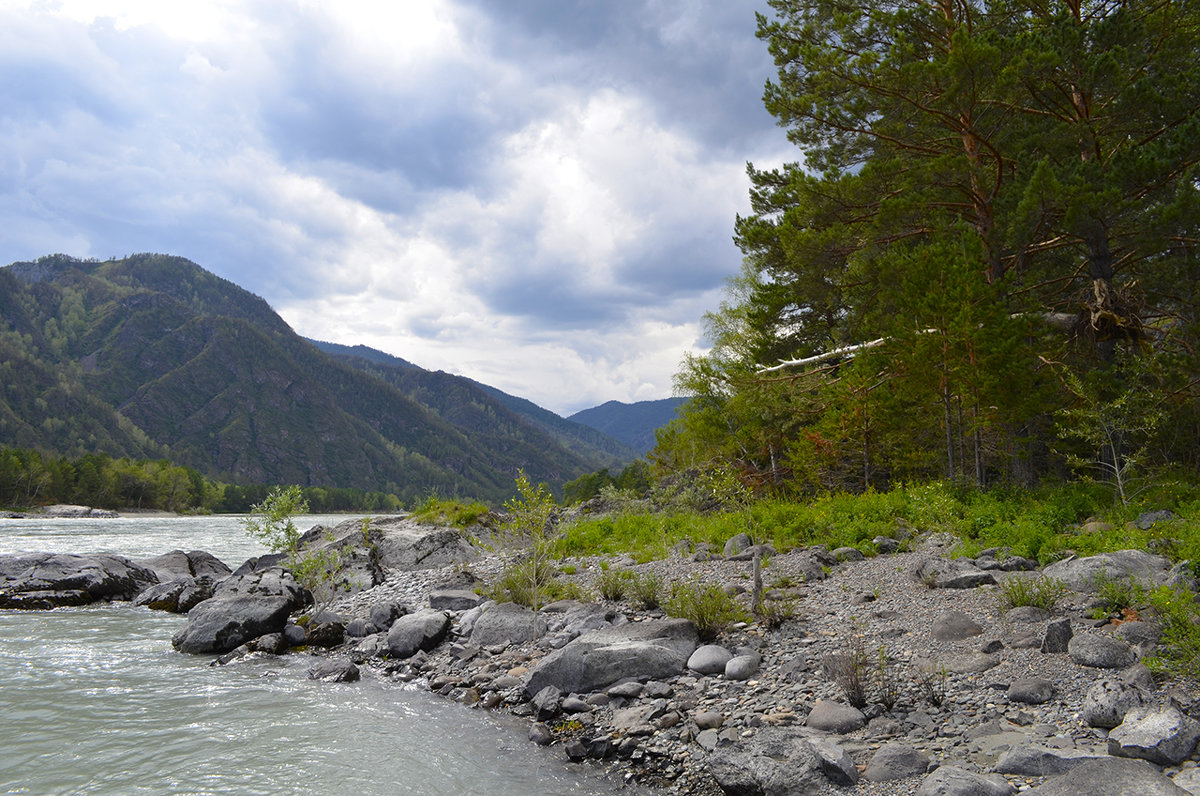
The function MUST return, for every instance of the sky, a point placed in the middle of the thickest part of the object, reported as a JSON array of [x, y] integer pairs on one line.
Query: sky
[[537, 194]]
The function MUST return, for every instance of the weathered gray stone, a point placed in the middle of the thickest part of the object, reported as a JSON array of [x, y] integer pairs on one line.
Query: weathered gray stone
[[709, 659], [843, 554], [48, 580], [454, 600], [412, 633], [896, 761], [955, 626], [402, 544], [1163, 736], [1107, 701], [971, 663], [1058, 637], [547, 703], [1110, 776], [656, 648], [1027, 613], [1031, 690], [176, 596], [1041, 761], [836, 763], [193, 564], [741, 667], [829, 716], [540, 734], [771, 763], [382, 614], [507, 623], [1085, 574], [242, 607], [737, 544], [708, 720], [952, 573], [1140, 634], [334, 670], [885, 544], [1101, 651], [951, 781]]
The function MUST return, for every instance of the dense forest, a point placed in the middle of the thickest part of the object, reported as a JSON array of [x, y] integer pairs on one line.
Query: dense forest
[[30, 478], [983, 264]]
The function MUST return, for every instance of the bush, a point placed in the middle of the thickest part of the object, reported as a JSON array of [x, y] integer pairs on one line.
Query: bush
[[706, 604], [647, 589], [613, 584], [1179, 652], [1038, 592]]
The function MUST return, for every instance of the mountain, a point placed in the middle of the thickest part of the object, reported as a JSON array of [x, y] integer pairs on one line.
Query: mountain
[[152, 356], [484, 409], [633, 424]]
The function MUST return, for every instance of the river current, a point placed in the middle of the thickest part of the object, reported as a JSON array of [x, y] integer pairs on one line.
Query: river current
[[95, 700]]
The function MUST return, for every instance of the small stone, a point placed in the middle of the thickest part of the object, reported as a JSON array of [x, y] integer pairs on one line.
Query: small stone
[[896, 761], [835, 717], [709, 659], [741, 667], [708, 720], [1101, 651], [540, 734], [955, 626]]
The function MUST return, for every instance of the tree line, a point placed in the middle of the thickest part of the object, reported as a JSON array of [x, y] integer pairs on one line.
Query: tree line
[[983, 263], [30, 478]]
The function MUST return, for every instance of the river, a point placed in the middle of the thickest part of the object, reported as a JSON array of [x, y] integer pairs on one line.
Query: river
[[95, 700]]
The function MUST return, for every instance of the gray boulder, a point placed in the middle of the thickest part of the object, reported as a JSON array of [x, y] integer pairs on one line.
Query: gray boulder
[[829, 716], [951, 781], [1084, 574], [1101, 651], [1110, 776], [507, 623], [1107, 701], [417, 632], [771, 763], [194, 563], [243, 607], [48, 580], [709, 659], [741, 667], [1031, 690], [737, 544], [403, 544], [334, 670], [177, 596], [358, 560], [382, 614], [1057, 639], [955, 626], [1163, 736], [454, 600], [654, 649], [896, 761], [952, 573]]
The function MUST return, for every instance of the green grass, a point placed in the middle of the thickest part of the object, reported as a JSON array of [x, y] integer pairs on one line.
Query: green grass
[[435, 511]]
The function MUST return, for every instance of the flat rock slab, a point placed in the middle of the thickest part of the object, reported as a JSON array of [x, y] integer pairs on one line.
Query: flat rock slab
[[1111, 776], [1101, 651], [953, 573], [51, 579], [405, 545], [507, 623], [955, 626], [1041, 761], [654, 649], [1031, 690], [772, 761], [951, 781], [1086, 574]]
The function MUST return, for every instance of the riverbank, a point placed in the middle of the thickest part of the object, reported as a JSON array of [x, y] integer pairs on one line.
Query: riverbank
[[946, 677]]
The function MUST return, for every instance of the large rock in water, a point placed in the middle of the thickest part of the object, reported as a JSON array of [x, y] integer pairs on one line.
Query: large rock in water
[[655, 649], [423, 630], [192, 564], [49, 580], [242, 608]]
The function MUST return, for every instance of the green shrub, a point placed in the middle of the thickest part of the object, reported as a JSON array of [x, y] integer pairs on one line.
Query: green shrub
[[1179, 650], [613, 584], [1041, 593], [435, 511], [647, 589], [706, 604]]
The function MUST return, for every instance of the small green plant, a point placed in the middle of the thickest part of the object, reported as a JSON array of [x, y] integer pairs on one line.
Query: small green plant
[[1179, 651], [1041, 592], [887, 684], [315, 569], [849, 671], [772, 614], [614, 584], [705, 604], [529, 578], [647, 589], [932, 680], [1117, 595]]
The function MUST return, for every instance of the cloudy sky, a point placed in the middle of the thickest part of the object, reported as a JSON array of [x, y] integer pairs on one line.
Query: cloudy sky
[[539, 194]]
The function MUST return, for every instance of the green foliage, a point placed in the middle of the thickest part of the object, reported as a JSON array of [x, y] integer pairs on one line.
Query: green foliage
[[614, 584], [705, 604], [647, 589], [527, 537], [455, 513], [1041, 593], [1179, 650], [271, 521]]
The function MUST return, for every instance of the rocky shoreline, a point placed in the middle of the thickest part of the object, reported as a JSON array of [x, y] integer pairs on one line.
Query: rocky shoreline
[[956, 693]]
